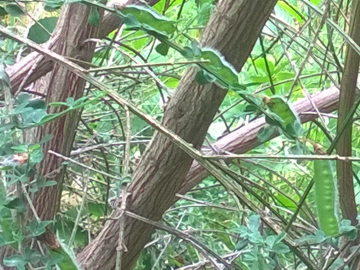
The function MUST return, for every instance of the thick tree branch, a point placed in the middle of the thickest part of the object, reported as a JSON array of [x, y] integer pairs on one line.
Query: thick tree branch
[[233, 30], [347, 98], [245, 138]]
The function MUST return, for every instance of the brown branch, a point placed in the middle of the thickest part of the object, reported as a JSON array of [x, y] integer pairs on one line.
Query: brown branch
[[245, 138], [347, 199], [233, 30]]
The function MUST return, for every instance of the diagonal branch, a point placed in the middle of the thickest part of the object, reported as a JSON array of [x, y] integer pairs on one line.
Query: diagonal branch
[[245, 138]]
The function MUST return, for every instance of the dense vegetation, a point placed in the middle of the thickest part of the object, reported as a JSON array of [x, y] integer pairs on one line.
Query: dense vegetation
[[103, 109]]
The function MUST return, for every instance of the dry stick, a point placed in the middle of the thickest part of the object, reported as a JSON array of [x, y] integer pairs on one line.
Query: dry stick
[[82, 165], [317, 33], [147, 70], [296, 157], [143, 65], [167, 242], [78, 216], [124, 194], [199, 265]]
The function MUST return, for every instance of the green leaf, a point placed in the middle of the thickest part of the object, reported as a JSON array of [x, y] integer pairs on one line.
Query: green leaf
[[188, 52], [40, 183], [16, 261], [46, 138], [338, 264], [68, 262], [162, 48], [224, 72], [147, 19], [202, 77], [243, 243], [265, 133], [286, 202], [21, 148], [38, 228], [317, 238], [294, 129], [250, 109], [131, 21], [2, 193], [17, 204], [36, 156], [94, 16], [316, 2], [21, 109], [32, 255], [37, 104], [52, 5], [23, 98], [126, 179], [3, 12], [280, 248], [14, 10], [38, 115], [51, 261], [254, 223], [70, 101], [348, 229], [80, 101], [96, 209], [6, 127], [281, 108], [38, 34], [23, 178], [283, 115], [292, 10]]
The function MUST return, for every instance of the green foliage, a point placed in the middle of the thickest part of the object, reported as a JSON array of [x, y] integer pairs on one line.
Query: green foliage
[[40, 32], [31, 256], [68, 261], [14, 10], [166, 45], [52, 5], [94, 17], [141, 18], [285, 117], [262, 251]]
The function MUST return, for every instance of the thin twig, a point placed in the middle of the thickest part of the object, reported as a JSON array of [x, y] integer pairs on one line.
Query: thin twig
[[126, 169]]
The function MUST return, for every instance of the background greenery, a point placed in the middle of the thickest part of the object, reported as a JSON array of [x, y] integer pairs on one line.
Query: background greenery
[[209, 213]]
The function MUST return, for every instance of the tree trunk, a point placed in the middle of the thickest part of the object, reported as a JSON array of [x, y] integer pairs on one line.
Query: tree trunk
[[71, 31], [347, 98], [232, 30]]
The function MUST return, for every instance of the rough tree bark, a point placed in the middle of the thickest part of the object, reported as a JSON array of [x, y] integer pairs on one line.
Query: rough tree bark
[[73, 29], [347, 98], [71, 32], [233, 30]]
